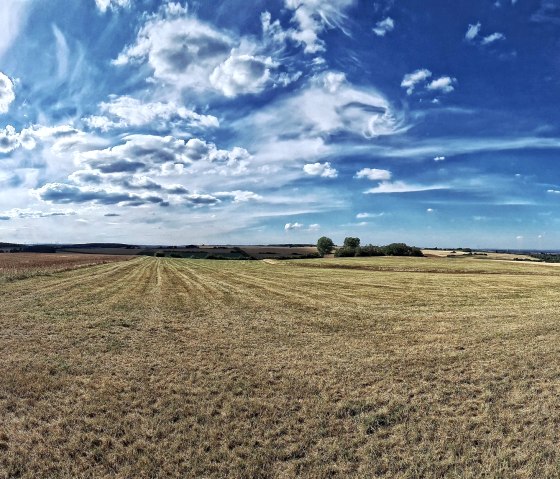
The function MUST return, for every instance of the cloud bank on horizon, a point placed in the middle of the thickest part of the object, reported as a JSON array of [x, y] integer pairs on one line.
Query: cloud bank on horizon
[[223, 122]]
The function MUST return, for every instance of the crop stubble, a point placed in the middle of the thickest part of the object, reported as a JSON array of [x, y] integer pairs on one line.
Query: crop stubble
[[377, 367]]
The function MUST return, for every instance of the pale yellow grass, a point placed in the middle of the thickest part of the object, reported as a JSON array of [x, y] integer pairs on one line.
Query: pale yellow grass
[[377, 367]]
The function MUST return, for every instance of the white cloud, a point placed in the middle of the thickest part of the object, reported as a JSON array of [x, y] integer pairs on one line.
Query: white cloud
[[320, 169], [125, 112], [7, 95], [242, 74], [555, 192], [429, 210], [312, 17], [439, 158], [369, 215], [59, 136], [189, 54], [293, 226], [25, 213], [384, 26], [328, 105], [443, 84], [13, 14], [473, 35], [374, 174], [239, 196], [410, 80], [314, 227], [473, 31], [161, 154], [62, 53], [103, 5], [494, 37], [9, 139], [401, 187]]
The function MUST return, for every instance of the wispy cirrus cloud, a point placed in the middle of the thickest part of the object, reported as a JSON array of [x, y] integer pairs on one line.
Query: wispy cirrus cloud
[[387, 187]]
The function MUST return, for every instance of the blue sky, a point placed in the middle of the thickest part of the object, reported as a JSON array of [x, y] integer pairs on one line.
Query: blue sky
[[435, 123]]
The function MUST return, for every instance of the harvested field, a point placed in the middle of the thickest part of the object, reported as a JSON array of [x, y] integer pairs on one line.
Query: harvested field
[[15, 266], [374, 367]]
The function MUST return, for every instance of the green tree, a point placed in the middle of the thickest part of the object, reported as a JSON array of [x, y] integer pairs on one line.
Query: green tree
[[324, 245], [351, 242]]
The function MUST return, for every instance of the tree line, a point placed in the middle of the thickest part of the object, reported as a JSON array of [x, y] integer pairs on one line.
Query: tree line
[[352, 247]]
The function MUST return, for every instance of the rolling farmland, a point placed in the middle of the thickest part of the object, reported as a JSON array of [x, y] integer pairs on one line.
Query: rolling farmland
[[377, 367]]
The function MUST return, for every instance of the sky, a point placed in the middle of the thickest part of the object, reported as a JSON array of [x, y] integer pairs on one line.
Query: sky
[[434, 123]]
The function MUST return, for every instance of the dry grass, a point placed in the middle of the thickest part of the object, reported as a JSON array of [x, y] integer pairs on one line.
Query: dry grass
[[14, 266], [441, 253], [377, 367]]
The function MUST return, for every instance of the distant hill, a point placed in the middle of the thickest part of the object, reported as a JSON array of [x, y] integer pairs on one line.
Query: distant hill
[[10, 245], [97, 245]]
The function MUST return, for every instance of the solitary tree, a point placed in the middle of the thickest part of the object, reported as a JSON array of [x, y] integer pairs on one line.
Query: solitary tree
[[324, 245], [350, 242]]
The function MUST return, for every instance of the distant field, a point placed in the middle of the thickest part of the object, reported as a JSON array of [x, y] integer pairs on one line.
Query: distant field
[[476, 255], [359, 367], [231, 252], [23, 265]]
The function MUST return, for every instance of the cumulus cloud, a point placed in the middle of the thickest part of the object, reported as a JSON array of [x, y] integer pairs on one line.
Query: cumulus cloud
[[239, 196], [7, 95], [419, 79], [199, 200], [314, 227], [384, 26], [410, 80], [9, 139], [145, 153], [190, 54], [103, 5], [61, 193], [293, 226], [242, 74], [374, 174], [443, 84], [148, 170], [320, 169], [439, 158], [126, 112], [28, 138], [401, 187]]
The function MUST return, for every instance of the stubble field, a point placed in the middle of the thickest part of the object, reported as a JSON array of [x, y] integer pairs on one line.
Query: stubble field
[[377, 367]]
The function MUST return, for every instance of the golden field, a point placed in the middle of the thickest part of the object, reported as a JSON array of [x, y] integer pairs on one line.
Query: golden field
[[374, 367]]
